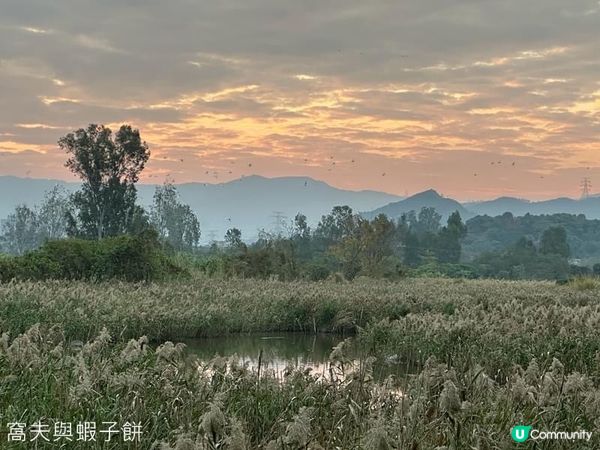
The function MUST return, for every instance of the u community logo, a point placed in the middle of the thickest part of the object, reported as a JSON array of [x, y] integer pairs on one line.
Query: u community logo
[[520, 433]]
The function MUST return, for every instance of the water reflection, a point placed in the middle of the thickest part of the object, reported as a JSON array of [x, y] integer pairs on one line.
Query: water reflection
[[280, 351]]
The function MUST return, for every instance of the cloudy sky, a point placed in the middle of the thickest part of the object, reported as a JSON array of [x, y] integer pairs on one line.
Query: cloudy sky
[[476, 98]]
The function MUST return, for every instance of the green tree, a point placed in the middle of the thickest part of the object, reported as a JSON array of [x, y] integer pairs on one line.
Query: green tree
[[53, 214], [20, 231], [412, 249], [428, 220], [301, 230], [109, 168], [233, 239], [378, 245], [337, 225], [175, 222], [554, 242], [448, 249]]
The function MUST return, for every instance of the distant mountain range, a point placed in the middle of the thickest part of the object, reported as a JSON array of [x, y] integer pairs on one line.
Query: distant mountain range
[[590, 207], [249, 203], [254, 203]]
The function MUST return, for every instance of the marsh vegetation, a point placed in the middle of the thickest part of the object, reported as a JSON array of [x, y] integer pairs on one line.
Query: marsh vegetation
[[478, 357]]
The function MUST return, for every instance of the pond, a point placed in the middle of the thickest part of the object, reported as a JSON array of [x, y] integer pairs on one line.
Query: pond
[[279, 351]]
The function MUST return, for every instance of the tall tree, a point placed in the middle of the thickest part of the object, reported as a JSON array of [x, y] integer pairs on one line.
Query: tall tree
[[109, 168], [20, 231], [554, 242], [53, 213], [429, 220], [448, 249], [378, 244], [301, 242], [175, 222], [233, 239], [300, 230], [337, 225]]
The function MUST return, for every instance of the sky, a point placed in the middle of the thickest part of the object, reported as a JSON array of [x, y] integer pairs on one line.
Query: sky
[[474, 98]]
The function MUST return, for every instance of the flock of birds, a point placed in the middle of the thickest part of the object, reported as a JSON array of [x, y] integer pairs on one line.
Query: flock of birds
[[332, 165], [215, 173], [493, 163]]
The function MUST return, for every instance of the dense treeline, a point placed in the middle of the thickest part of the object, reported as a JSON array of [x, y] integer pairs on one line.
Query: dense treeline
[[346, 245], [498, 233]]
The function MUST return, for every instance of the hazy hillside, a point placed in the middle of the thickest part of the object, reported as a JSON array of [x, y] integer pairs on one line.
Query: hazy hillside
[[430, 199], [251, 203], [29, 191], [248, 203], [590, 207]]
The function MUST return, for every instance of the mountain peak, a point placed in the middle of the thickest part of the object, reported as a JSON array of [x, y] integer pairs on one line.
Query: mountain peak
[[429, 194], [426, 199]]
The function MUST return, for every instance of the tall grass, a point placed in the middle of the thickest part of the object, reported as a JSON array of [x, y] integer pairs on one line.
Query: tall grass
[[481, 357], [223, 405]]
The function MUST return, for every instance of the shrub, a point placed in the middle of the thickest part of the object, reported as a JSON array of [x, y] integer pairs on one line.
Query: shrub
[[584, 283], [129, 258]]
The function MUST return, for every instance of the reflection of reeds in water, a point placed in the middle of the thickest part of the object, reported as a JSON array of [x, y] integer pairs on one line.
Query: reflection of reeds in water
[[341, 366], [291, 351]]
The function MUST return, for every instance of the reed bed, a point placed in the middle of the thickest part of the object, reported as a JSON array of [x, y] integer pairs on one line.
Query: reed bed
[[220, 404], [480, 357]]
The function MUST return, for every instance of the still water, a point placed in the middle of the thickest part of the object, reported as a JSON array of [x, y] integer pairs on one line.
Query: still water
[[279, 351]]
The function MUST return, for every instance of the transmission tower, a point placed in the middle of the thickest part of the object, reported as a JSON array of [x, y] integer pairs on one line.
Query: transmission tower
[[586, 187], [212, 236], [278, 222]]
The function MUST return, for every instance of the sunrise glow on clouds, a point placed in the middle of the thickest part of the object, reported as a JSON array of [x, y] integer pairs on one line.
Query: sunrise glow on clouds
[[475, 99]]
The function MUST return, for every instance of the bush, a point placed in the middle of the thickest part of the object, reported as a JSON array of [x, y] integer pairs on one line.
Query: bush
[[129, 258], [584, 283], [133, 258]]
